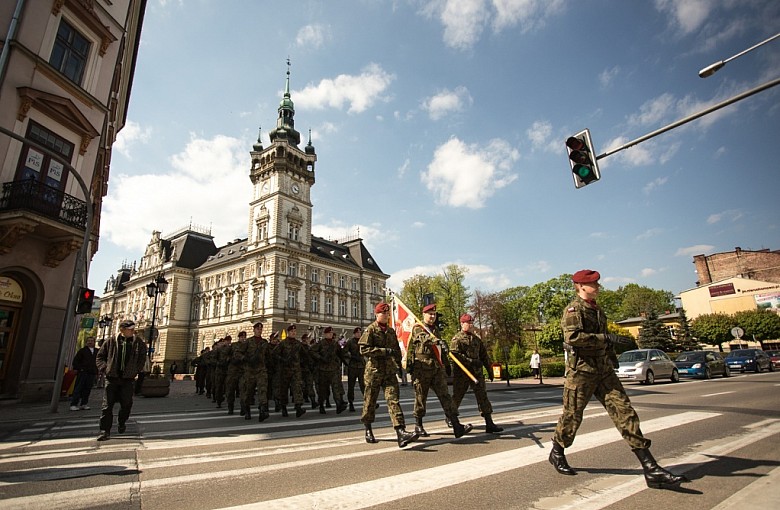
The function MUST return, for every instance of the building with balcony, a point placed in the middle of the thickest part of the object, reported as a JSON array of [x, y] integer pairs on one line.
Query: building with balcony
[[66, 70], [279, 274]]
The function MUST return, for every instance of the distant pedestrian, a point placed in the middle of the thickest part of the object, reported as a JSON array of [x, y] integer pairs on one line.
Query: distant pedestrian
[[536, 363], [592, 373], [173, 369], [120, 359], [85, 366]]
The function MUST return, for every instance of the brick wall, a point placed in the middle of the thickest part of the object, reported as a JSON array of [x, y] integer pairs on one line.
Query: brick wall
[[756, 265]]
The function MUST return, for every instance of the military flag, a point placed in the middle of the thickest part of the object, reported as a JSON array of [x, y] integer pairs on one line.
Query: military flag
[[403, 320]]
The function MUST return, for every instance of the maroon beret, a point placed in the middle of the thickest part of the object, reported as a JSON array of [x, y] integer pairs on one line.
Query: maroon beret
[[327, 330], [291, 327], [381, 307], [429, 308], [357, 330], [585, 276], [466, 318]]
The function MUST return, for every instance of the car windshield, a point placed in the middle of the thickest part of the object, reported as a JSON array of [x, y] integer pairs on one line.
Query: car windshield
[[632, 356], [741, 353], [690, 356]]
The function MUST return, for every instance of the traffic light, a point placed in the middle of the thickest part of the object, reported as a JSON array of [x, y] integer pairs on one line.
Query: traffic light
[[582, 159], [440, 322], [86, 297]]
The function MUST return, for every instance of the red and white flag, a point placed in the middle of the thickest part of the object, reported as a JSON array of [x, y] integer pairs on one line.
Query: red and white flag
[[403, 320]]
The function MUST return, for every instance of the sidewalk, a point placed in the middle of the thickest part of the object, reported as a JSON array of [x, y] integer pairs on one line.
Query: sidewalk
[[182, 399]]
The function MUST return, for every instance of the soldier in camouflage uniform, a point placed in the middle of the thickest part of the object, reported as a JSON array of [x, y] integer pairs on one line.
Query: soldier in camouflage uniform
[[308, 371], [289, 355], [235, 370], [591, 373], [356, 366], [427, 370], [256, 354], [470, 350], [272, 366], [223, 355], [200, 372], [211, 364], [328, 357], [379, 346]]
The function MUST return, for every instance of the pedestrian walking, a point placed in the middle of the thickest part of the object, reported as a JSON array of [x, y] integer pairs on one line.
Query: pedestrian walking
[[120, 359], [536, 363], [592, 373], [379, 345], [85, 366]]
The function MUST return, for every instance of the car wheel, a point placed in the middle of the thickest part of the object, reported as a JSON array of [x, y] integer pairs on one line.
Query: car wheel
[[707, 373], [676, 376], [771, 367], [726, 372], [758, 367], [650, 377]]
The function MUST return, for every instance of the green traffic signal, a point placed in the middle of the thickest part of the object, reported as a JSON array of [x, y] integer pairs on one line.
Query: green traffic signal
[[583, 163]]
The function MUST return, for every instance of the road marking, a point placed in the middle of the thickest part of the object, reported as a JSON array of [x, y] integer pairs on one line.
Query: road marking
[[719, 393]]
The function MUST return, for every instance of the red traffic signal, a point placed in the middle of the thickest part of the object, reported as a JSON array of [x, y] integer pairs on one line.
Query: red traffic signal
[[84, 303], [582, 159]]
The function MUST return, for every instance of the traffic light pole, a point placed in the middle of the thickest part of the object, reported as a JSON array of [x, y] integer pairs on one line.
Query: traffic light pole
[[81, 257], [695, 116]]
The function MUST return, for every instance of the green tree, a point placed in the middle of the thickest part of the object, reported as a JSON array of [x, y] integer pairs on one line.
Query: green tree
[[684, 336], [413, 291], [761, 324], [637, 300], [452, 297], [713, 328], [551, 337], [654, 334]]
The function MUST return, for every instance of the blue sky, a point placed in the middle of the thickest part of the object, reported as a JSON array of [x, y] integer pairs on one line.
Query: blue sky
[[440, 126]]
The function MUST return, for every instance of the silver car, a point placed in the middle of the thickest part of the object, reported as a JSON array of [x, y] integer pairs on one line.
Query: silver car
[[645, 366]]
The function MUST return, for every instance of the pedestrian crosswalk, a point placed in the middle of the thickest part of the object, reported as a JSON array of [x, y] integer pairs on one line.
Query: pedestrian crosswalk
[[60, 465]]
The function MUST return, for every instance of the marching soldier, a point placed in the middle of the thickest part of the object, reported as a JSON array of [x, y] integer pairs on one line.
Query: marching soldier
[[290, 355], [272, 365], [469, 350], [328, 358], [200, 372], [235, 370], [223, 355], [308, 371], [427, 370], [379, 346], [591, 372], [256, 354], [356, 365], [210, 359]]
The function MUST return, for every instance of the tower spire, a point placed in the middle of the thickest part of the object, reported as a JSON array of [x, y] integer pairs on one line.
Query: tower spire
[[285, 123]]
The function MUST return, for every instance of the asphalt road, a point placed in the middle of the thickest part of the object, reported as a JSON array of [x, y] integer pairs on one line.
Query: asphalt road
[[724, 434]]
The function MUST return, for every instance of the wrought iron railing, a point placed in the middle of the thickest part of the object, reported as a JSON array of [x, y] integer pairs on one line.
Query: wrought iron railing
[[31, 195]]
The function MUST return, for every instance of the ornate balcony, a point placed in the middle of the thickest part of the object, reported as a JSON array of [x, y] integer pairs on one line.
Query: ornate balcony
[[42, 199]]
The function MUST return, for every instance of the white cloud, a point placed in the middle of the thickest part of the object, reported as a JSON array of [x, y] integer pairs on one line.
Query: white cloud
[[648, 271], [477, 276], [655, 183], [359, 92], [540, 135], [418, 224], [447, 101], [730, 215], [529, 14], [687, 15], [607, 75], [462, 175], [312, 36], [651, 232], [131, 134], [653, 111], [372, 234], [693, 250], [205, 175], [638, 155], [464, 21]]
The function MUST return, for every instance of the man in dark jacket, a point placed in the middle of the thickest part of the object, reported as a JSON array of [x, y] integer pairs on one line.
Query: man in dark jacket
[[86, 370], [120, 359]]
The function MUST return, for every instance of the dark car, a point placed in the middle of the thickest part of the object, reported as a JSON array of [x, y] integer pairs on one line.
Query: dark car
[[753, 360], [701, 364], [775, 357]]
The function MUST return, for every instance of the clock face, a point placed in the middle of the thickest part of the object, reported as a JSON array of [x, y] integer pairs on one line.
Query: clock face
[[295, 188], [265, 187]]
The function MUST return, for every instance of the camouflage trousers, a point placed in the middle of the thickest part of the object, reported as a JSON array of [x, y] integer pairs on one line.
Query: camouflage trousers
[[209, 380], [290, 381], [578, 389], [251, 379], [220, 374], [374, 382], [460, 385], [330, 381], [231, 383], [308, 385], [355, 374], [425, 378]]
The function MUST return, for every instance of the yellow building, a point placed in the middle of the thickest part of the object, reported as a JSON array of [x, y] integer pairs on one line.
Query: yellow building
[[730, 295]]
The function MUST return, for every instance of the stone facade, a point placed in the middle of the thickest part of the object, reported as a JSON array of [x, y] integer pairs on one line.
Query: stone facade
[[754, 265]]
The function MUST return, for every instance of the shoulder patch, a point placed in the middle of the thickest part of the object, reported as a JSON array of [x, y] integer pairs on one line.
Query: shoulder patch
[[571, 309]]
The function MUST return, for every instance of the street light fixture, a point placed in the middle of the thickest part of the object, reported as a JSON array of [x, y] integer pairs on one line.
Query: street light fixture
[[713, 68], [105, 323], [153, 289]]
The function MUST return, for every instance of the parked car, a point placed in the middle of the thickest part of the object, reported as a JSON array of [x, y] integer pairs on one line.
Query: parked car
[[753, 360], [701, 364], [646, 365], [775, 357]]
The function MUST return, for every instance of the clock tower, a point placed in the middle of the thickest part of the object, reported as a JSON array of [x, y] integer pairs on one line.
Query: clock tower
[[282, 176]]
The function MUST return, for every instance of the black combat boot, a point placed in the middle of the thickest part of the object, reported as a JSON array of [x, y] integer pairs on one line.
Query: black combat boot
[[322, 408], [327, 403], [299, 410], [490, 426], [370, 435], [351, 407], [656, 476], [264, 414], [277, 406], [418, 427], [313, 403], [230, 408], [558, 460], [248, 413], [404, 437], [284, 411], [460, 429], [340, 407], [242, 412]]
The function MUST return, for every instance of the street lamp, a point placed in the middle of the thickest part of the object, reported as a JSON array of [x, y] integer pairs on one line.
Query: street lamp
[[105, 323], [541, 316], [153, 289], [713, 68]]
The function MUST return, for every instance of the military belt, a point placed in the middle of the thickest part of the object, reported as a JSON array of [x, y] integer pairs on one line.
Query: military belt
[[590, 353]]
